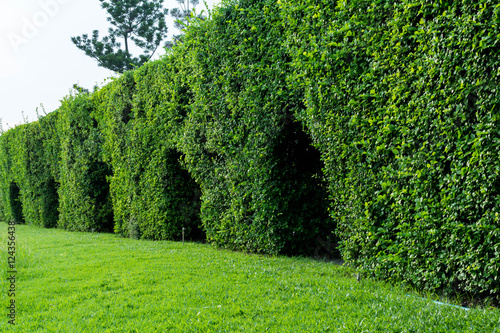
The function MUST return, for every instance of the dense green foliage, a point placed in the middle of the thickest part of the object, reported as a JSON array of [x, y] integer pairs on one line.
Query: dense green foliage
[[84, 198], [260, 178], [274, 112], [29, 157], [140, 113], [9, 190], [13, 173], [39, 155], [403, 103]]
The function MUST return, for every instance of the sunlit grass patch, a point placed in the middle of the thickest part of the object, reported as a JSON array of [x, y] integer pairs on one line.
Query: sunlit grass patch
[[84, 282]]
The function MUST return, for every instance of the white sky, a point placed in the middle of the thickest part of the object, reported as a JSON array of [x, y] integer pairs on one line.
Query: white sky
[[38, 62]]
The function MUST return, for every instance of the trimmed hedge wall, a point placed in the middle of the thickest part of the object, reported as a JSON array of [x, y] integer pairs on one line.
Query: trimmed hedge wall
[[5, 175], [84, 200], [40, 158], [403, 103], [254, 163], [29, 163], [395, 104], [140, 114], [12, 173]]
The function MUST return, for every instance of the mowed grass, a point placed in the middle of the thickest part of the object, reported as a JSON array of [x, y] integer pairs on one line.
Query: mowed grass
[[84, 282]]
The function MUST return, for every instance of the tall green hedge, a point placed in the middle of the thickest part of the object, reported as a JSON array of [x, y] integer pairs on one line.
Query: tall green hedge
[[84, 199], [402, 101], [29, 164], [5, 175], [40, 157], [394, 103], [140, 113], [259, 175], [12, 173]]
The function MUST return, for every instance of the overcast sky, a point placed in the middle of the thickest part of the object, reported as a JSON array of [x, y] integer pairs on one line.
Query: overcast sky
[[38, 62]]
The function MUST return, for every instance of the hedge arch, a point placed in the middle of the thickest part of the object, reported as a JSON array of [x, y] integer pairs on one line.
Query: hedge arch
[[5, 176], [237, 135], [39, 161], [15, 203], [84, 193], [300, 169], [402, 101], [140, 114], [12, 173]]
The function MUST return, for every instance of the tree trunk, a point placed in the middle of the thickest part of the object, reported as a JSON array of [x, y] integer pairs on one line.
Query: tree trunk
[[126, 44]]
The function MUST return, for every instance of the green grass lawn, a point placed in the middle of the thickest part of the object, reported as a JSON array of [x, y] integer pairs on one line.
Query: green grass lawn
[[84, 282]]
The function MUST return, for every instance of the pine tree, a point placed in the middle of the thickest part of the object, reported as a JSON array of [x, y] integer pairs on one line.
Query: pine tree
[[139, 21]]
